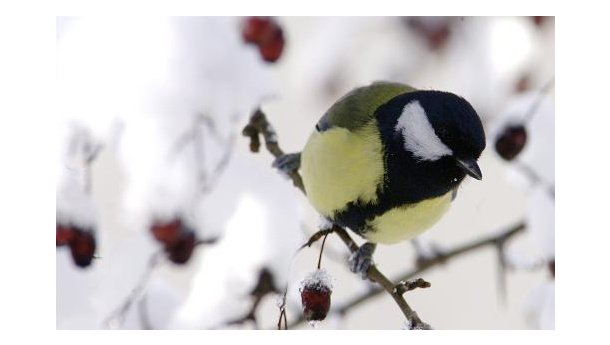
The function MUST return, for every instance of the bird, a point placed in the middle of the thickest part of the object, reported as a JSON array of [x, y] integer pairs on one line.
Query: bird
[[386, 161]]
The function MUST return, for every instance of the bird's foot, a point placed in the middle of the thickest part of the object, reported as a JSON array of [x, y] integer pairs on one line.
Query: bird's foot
[[361, 260], [287, 163]]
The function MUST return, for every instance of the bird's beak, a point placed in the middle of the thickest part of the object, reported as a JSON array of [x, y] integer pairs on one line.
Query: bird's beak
[[470, 167]]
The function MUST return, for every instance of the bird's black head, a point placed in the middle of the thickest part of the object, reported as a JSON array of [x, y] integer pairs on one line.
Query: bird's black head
[[457, 125], [436, 136]]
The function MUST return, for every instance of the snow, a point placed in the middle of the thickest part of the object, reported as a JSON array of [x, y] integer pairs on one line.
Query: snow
[[318, 278], [538, 155], [324, 223], [540, 306], [167, 97], [154, 78], [257, 237], [139, 86], [540, 218]]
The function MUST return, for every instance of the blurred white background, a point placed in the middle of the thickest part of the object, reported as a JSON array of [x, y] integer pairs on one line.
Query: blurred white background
[[135, 86]]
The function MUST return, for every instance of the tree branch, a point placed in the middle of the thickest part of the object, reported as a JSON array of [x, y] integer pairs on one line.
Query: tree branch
[[491, 240], [259, 125]]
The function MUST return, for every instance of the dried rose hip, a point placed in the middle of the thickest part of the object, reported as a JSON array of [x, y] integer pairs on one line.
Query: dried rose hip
[[63, 234], [511, 141], [180, 252], [316, 302], [167, 232], [82, 247], [257, 29], [266, 34], [315, 290], [272, 49]]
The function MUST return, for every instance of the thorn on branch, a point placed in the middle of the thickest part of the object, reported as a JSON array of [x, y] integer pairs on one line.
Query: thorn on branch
[[316, 237]]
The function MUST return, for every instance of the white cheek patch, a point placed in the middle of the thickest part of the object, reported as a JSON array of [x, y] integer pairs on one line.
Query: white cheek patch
[[419, 135]]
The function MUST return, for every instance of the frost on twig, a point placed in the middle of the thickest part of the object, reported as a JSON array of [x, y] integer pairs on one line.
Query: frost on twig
[[411, 326]]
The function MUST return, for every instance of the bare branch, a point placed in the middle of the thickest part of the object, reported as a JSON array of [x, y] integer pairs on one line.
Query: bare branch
[[492, 240], [259, 125]]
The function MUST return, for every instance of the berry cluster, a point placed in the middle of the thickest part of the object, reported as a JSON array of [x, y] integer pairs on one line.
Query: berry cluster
[[177, 239], [80, 241], [266, 34]]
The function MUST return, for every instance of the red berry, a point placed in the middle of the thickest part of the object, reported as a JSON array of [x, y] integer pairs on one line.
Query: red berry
[[316, 302], [538, 20], [180, 251], [167, 233], [266, 34], [316, 289], [511, 141], [435, 32], [257, 29], [271, 50], [63, 234], [82, 247]]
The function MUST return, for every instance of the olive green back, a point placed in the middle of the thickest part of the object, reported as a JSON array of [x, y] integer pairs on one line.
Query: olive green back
[[357, 107]]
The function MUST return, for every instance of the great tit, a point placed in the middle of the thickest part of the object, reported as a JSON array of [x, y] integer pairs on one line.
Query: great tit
[[386, 160]]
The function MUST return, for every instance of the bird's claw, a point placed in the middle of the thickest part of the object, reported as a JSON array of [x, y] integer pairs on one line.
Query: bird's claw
[[362, 259], [288, 162]]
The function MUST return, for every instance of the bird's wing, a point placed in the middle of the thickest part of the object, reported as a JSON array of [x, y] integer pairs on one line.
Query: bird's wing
[[356, 108]]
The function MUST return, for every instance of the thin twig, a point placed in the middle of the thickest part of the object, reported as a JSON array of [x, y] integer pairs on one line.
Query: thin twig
[[534, 177], [283, 312], [316, 237], [116, 318], [143, 312], [259, 125], [536, 104], [322, 251], [329, 251]]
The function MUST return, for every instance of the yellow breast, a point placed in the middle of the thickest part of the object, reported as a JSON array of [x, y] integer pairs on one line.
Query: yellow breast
[[339, 166], [405, 222]]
